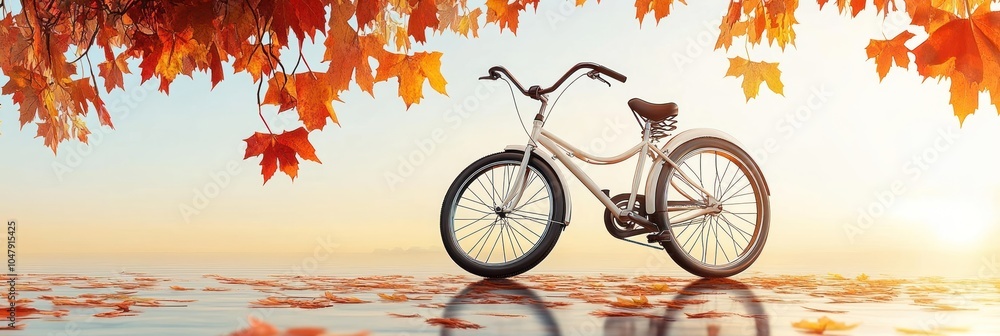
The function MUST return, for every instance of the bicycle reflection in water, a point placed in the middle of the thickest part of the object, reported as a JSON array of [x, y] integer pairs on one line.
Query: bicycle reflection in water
[[528, 314]]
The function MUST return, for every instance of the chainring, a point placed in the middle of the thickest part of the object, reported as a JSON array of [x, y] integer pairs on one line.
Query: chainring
[[620, 229]]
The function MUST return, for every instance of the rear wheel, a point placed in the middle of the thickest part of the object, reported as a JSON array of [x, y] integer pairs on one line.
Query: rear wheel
[[722, 244], [490, 244]]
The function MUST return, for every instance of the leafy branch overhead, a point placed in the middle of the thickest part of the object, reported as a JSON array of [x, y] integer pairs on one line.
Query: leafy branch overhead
[[52, 52]]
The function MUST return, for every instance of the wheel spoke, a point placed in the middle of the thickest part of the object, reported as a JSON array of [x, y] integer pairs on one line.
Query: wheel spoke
[[740, 217], [479, 211], [737, 193], [704, 243], [474, 222], [474, 232], [513, 238], [730, 234], [484, 236], [487, 236], [700, 225], [696, 175], [519, 232], [686, 226], [493, 188], [492, 199], [535, 201], [715, 229], [475, 201], [731, 225], [499, 238], [736, 178], [526, 228], [533, 219], [723, 177]]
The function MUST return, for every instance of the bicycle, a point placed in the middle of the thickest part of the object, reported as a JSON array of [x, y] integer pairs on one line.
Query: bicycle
[[677, 198]]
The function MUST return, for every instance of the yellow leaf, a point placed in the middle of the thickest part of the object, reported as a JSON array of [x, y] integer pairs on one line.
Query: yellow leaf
[[394, 297], [659, 287], [822, 325], [625, 302], [755, 73]]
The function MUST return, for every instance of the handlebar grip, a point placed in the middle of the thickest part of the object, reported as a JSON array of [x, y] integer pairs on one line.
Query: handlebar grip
[[614, 74], [491, 77]]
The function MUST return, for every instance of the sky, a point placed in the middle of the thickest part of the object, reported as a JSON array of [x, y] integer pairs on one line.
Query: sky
[[865, 176]]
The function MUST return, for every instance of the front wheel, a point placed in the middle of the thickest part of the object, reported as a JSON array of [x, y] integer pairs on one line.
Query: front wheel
[[494, 245], [722, 244]]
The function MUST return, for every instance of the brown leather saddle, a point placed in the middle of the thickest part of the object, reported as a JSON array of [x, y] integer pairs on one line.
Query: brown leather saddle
[[652, 111]]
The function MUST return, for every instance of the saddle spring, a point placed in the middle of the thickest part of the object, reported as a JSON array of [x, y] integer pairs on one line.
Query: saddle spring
[[657, 129]]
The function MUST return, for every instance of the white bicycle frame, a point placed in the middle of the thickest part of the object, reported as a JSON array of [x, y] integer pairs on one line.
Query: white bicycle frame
[[563, 151]]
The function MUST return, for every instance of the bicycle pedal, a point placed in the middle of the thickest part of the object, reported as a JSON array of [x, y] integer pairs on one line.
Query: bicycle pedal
[[660, 237]]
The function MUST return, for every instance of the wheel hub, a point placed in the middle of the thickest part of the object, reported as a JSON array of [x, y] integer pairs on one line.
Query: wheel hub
[[500, 212]]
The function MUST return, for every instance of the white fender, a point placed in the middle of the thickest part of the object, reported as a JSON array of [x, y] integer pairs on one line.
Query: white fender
[[552, 163], [677, 140]]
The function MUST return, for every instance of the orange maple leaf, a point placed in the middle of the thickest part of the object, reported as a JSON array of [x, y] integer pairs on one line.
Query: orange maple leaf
[[412, 70], [966, 51], [303, 17], [368, 10], [281, 150], [311, 93], [888, 51], [660, 8], [423, 16], [505, 13]]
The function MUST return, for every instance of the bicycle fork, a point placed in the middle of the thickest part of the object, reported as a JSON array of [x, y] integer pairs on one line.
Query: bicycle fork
[[517, 190]]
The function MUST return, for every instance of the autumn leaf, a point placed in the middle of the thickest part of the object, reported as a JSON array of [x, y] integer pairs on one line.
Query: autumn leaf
[[888, 51], [368, 10], [967, 52], [216, 289], [281, 150], [934, 331], [303, 17], [452, 323], [505, 13], [822, 325], [338, 299], [411, 72], [622, 313], [660, 8], [168, 54], [423, 16], [180, 288], [639, 302], [502, 315], [393, 297], [311, 94], [711, 314], [755, 73], [659, 287], [112, 72], [404, 315], [828, 311]]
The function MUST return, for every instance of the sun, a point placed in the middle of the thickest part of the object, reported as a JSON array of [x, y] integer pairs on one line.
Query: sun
[[961, 226], [954, 223]]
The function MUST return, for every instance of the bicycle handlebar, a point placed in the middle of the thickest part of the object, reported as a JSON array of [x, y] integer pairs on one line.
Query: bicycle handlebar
[[535, 91]]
